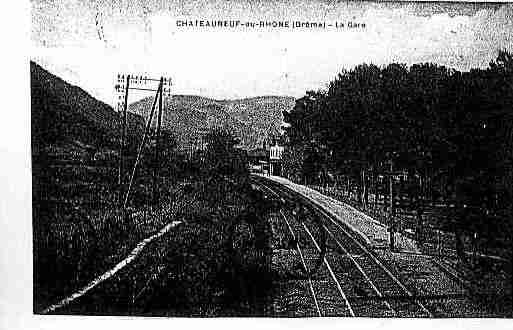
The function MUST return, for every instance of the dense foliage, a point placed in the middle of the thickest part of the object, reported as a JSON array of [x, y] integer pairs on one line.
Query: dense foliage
[[449, 131]]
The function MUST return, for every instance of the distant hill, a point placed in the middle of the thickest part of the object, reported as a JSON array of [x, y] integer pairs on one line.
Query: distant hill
[[67, 120], [252, 119]]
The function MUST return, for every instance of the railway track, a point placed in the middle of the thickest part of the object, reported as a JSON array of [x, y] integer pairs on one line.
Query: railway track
[[333, 272], [351, 281]]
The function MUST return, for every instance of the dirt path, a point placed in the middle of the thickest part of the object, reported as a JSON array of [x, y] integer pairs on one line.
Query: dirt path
[[108, 274]]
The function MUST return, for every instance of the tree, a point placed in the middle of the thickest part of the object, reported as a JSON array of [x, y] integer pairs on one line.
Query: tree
[[448, 130], [222, 158]]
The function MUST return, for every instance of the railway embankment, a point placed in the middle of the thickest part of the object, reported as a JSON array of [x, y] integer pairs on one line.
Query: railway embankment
[[425, 275], [372, 232], [209, 260]]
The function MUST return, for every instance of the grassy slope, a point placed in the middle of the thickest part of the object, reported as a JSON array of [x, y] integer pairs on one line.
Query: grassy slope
[[208, 266], [74, 154], [79, 233]]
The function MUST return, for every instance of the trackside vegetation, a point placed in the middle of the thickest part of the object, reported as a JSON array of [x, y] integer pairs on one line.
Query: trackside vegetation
[[217, 257], [443, 139]]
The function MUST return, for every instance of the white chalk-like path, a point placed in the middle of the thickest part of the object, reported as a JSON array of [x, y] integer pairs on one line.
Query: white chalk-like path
[[131, 257]]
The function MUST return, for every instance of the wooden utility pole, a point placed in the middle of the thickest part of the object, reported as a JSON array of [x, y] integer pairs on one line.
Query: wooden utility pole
[[141, 147], [391, 213], [156, 165], [123, 135], [140, 83]]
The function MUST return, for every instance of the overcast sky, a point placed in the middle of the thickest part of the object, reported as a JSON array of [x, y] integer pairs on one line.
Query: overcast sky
[[88, 42]]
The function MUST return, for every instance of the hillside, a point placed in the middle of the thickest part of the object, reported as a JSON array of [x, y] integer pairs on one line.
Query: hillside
[[67, 121], [250, 119]]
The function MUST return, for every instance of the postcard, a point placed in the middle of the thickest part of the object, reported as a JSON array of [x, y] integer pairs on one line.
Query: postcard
[[278, 159]]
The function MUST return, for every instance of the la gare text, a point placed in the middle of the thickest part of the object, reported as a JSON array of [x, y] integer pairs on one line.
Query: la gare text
[[270, 24]]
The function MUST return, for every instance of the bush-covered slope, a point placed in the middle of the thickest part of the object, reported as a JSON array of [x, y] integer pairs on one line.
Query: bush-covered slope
[[252, 120]]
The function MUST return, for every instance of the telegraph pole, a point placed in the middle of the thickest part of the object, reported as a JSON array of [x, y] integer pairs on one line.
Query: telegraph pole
[[123, 132], [156, 165], [140, 83], [391, 213], [141, 147]]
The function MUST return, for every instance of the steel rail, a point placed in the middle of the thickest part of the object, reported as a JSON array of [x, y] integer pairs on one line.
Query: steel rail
[[319, 261], [304, 264], [365, 250], [312, 291], [427, 297], [380, 265], [455, 277], [324, 260], [337, 283], [378, 292], [358, 267]]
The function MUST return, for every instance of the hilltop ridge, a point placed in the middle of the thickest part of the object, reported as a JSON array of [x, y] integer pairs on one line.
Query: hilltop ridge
[[252, 120]]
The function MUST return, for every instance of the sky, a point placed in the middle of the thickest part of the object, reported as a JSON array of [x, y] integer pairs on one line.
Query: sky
[[89, 42]]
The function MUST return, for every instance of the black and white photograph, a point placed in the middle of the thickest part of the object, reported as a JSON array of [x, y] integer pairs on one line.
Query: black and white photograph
[[277, 159]]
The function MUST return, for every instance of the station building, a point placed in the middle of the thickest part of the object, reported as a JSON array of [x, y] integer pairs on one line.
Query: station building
[[267, 160], [275, 159]]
